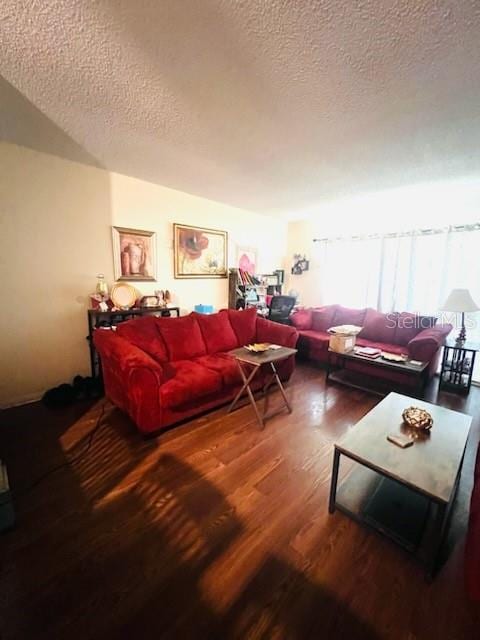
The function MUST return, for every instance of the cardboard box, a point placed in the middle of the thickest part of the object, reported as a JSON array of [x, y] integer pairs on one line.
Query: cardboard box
[[342, 344]]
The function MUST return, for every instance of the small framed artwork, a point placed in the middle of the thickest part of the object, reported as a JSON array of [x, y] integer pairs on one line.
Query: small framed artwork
[[247, 259], [134, 255], [199, 252], [300, 264]]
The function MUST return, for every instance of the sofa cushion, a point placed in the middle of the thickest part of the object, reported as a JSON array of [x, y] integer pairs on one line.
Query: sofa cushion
[[314, 344], [191, 381], [217, 331], [378, 326], [244, 325], [318, 337], [224, 365], [144, 334], [344, 315], [182, 337], [410, 324], [322, 317], [302, 319]]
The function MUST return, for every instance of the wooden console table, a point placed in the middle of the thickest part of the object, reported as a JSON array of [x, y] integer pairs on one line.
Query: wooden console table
[[97, 318]]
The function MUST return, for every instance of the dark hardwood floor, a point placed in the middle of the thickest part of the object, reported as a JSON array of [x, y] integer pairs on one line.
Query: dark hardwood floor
[[214, 529]]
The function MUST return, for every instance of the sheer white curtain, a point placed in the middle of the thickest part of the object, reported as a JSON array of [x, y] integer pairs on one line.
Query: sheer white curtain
[[404, 272]]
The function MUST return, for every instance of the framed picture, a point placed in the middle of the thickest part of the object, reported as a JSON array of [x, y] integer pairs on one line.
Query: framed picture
[[300, 264], [199, 252], [247, 259], [134, 256]]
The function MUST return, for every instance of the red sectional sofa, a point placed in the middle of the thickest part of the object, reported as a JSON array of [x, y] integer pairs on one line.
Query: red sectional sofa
[[402, 333], [472, 550], [163, 370]]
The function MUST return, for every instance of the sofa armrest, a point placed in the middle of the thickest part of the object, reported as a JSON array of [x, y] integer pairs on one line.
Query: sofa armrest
[[426, 343], [282, 334], [132, 379], [126, 357]]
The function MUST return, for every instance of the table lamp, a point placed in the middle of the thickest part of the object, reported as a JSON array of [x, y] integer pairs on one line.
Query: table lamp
[[462, 302]]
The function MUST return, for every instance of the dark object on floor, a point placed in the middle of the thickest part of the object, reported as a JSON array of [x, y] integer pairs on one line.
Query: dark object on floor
[[7, 514], [60, 396], [87, 387], [66, 394]]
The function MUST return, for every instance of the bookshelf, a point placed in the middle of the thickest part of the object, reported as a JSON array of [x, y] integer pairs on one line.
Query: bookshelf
[[245, 290]]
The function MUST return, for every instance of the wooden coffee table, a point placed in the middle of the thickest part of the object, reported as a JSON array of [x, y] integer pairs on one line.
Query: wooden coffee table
[[246, 359], [406, 494], [338, 372]]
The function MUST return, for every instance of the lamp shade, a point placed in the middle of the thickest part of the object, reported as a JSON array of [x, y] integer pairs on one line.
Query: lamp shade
[[459, 300]]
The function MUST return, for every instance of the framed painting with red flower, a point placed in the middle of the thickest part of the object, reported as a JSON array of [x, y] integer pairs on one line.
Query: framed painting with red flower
[[199, 252]]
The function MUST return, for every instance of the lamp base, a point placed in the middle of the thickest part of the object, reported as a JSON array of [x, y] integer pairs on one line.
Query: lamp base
[[462, 336]]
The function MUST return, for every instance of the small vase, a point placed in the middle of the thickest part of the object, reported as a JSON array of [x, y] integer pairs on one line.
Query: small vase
[[135, 253], [125, 259], [102, 288]]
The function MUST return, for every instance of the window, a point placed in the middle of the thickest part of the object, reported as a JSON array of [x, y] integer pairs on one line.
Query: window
[[412, 271]]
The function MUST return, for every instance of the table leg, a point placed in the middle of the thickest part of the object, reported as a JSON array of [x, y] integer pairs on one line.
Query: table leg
[[246, 387], [327, 375], [334, 481], [441, 520], [280, 386]]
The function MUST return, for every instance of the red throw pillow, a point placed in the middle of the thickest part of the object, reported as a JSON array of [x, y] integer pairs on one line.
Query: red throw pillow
[[322, 317], [144, 334], [302, 319], [244, 324], [379, 327], [182, 337], [410, 324], [217, 331], [344, 315]]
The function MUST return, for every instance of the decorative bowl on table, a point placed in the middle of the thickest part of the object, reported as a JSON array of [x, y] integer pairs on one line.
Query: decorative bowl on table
[[417, 418], [258, 347]]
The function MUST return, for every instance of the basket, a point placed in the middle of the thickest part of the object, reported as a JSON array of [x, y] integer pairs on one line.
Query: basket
[[417, 418]]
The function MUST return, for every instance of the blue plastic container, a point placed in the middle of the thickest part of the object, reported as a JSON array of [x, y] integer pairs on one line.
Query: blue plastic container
[[204, 308]]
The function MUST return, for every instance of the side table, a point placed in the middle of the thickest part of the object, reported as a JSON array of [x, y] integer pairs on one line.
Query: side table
[[457, 366], [255, 360]]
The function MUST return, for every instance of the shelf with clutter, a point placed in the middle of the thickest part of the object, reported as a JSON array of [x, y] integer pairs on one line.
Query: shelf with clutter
[[123, 296], [253, 290]]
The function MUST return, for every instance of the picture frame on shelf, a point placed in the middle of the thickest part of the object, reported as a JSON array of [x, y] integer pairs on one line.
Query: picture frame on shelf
[[134, 254], [199, 252]]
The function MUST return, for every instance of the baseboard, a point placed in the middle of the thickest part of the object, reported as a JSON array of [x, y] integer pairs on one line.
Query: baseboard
[[18, 402]]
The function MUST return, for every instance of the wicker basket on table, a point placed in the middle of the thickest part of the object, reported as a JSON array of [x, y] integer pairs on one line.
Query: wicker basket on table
[[417, 418]]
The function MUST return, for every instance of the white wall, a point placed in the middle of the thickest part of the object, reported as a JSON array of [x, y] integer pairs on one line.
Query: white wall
[[56, 218], [144, 205]]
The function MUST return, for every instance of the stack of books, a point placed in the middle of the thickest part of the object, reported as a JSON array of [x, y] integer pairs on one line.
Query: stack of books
[[368, 352], [247, 279]]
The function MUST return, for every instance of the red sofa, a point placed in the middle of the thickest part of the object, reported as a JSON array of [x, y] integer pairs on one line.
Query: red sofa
[[163, 370], [472, 550], [402, 333]]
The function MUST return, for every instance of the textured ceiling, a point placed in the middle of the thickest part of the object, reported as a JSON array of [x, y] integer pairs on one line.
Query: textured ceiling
[[273, 106]]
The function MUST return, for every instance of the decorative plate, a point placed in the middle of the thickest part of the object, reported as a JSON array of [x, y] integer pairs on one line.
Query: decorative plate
[[123, 295], [417, 418], [258, 347]]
